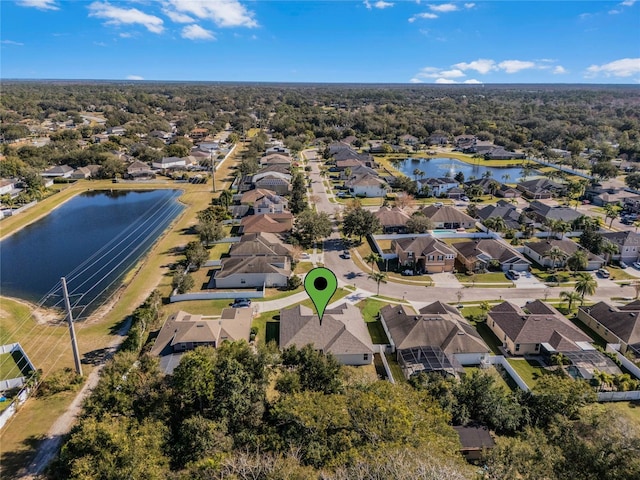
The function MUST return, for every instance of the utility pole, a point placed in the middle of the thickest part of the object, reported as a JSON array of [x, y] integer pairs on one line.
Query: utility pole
[[72, 332]]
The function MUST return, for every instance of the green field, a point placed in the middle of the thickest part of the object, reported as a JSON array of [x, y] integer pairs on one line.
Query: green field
[[528, 370], [12, 365], [370, 309]]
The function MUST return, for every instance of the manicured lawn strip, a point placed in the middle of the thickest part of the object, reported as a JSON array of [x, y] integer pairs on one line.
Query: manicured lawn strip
[[618, 273], [275, 294], [370, 309], [597, 339], [260, 323], [395, 368], [489, 338], [528, 370], [629, 410], [8, 367], [303, 267], [491, 277], [217, 250], [198, 307]]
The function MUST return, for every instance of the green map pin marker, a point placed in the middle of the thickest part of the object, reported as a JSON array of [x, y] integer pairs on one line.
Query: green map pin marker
[[320, 284]]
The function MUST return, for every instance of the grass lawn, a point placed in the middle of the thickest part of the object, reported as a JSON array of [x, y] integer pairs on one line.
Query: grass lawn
[[618, 273], [395, 368], [217, 250], [275, 294], [198, 307], [528, 370], [491, 277], [303, 267], [630, 410], [370, 309], [489, 338], [597, 339], [9, 367], [260, 323]]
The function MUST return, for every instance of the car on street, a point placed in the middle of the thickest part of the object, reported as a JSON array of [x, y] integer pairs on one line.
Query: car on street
[[346, 255], [604, 273], [241, 302], [636, 265], [623, 265]]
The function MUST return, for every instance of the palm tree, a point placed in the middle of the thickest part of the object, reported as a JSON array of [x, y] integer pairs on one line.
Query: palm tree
[[609, 249], [506, 177], [611, 211], [585, 285], [372, 258], [416, 174], [379, 278], [559, 359], [493, 186], [555, 254], [496, 224], [570, 297], [578, 261]]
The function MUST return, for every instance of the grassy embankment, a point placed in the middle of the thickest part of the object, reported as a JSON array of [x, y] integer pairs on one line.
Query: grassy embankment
[[50, 344]]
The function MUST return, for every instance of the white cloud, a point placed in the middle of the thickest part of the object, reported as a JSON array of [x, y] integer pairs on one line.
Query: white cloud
[[444, 80], [452, 73], [422, 15], [225, 13], [40, 4], [625, 67], [469, 5], [177, 17], [415, 80], [482, 65], [134, 77], [382, 4], [628, 3], [514, 66], [126, 35], [443, 7], [100, 44], [125, 16], [559, 70], [196, 32], [614, 12], [472, 81], [11, 42]]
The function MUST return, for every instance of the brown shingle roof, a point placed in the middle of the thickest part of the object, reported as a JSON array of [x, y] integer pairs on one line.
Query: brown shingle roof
[[391, 217], [436, 326], [267, 222], [624, 321], [342, 332], [423, 246], [264, 264], [446, 214], [539, 324]]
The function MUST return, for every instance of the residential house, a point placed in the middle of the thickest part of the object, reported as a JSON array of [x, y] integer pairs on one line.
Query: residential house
[[464, 142], [617, 325], [536, 328], [198, 134], [628, 243], [510, 214], [275, 159], [438, 139], [59, 171], [100, 138], [480, 147], [456, 193], [337, 147], [437, 339], [499, 153], [81, 173], [437, 186], [364, 158], [139, 169], [7, 185], [252, 196], [409, 139], [367, 185], [358, 170], [393, 220], [160, 134], [447, 217], [278, 149], [541, 188], [343, 332], [267, 222], [252, 272], [475, 442], [537, 251], [505, 191], [260, 244], [270, 204], [478, 254], [541, 212], [117, 131], [183, 331], [424, 254], [276, 181], [169, 162]]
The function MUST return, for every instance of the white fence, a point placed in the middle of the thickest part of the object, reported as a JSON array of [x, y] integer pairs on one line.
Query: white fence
[[500, 360], [381, 350], [186, 297], [26, 365], [11, 409], [618, 396]]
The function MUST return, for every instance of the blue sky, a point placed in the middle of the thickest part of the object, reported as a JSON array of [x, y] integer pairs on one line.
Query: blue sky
[[367, 41]]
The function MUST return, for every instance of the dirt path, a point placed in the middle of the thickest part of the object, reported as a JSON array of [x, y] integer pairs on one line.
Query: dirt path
[[49, 447]]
